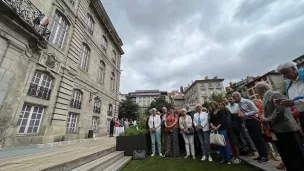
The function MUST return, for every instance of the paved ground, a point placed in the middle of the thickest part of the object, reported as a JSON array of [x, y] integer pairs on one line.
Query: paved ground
[[34, 158], [270, 166]]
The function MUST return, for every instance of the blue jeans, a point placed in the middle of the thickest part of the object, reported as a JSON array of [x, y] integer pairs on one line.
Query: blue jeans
[[155, 136], [204, 138], [225, 152]]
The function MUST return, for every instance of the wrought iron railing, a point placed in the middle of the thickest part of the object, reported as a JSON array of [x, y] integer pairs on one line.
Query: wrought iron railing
[[75, 104], [110, 113], [39, 91], [96, 109], [30, 14]]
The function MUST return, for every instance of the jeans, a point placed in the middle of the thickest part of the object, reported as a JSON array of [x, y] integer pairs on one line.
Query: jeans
[[204, 137], [155, 136], [225, 152], [189, 141]]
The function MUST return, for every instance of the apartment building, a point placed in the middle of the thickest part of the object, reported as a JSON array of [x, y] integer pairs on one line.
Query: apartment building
[[59, 70]]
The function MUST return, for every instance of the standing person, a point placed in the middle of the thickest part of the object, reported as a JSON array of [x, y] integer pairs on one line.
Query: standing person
[[294, 88], [130, 122], [117, 128], [249, 111], [218, 123], [230, 134], [154, 127], [172, 144], [122, 129], [112, 125], [290, 142], [186, 129], [201, 124], [126, 124]]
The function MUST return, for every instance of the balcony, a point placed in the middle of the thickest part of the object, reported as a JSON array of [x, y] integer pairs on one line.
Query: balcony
[[75, 104], [96, 109], [110, 113], [39, 92], [29, 14]]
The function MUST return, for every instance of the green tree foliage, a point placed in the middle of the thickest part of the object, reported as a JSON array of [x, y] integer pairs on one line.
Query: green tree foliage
[[218, 97], [128, 109], [159, 103], [206, 104], [140, 129]]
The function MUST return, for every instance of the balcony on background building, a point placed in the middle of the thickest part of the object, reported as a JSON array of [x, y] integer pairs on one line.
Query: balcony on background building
[[30, 15], [110, 113], [39, 92], [96, 109], [75, 104]]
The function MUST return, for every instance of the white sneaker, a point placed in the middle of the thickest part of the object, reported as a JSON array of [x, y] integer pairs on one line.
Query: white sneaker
[[203, 158], [193, 157], [210, 159], [152, 155], [186, 156], [160, 154]]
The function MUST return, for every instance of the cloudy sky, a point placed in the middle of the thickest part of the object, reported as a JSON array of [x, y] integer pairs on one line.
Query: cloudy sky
[[169, 43]]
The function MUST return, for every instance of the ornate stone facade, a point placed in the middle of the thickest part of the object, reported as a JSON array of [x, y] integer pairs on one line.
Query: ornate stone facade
[[57, 81]]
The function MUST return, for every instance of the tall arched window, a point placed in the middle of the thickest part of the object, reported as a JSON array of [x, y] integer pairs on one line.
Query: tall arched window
[[112, 82], [90, 23], [40, 86], [97, 103], [110, 110], [104, 42], [101, 72], [84, 57], [59, 27], [76, 99]]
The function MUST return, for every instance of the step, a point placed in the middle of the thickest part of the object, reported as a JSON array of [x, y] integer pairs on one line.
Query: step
[[119, 164], [101, 163]]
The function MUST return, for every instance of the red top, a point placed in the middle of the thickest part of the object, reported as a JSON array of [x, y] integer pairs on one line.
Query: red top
[[171, 119], [117, 124]]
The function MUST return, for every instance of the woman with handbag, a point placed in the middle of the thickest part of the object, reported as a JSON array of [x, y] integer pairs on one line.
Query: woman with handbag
[[172, 144], [218, 124], [187, 131]]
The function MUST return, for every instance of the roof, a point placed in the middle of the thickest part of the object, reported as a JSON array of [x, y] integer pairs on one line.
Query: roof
[[203, 81], [273, 72], [302, 56], [148, 91], [102, 13]]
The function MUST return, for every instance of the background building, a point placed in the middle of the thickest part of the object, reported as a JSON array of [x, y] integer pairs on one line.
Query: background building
[[144, 98], [177, 98], [200, 90], [240, 86], [273, 78], [122, 97], [57, 80], [299, 60]]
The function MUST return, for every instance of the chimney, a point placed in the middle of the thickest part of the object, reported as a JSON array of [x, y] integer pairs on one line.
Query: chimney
[[206, 78], [215, 77]]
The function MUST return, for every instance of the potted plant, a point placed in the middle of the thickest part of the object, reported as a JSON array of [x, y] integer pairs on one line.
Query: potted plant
[[133, 138]]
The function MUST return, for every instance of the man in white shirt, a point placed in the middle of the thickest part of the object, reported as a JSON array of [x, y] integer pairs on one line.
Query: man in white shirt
[[155, 127]]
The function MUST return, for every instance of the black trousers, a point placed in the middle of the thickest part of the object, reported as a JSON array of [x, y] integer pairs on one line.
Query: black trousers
[[291, 148], [255, 133], [111, 131], [302, 120]]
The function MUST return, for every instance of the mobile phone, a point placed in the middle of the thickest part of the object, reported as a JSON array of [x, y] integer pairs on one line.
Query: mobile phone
[[277, 100]]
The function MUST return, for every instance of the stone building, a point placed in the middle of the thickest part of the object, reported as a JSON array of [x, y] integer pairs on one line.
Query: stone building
[[200, 90], [57, 80], [273, 78], [300, 61], [240, 86]]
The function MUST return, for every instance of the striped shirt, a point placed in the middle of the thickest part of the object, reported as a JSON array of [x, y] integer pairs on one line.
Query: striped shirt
[[248, 107]]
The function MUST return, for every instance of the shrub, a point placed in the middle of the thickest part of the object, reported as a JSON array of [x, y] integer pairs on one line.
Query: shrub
[[132, 130]]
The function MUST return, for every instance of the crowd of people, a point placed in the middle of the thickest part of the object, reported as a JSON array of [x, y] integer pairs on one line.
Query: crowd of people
[[271, 126], [120, 125]]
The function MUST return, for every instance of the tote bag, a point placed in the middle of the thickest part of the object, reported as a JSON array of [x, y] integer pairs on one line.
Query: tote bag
[[139, 154], [217, 139]]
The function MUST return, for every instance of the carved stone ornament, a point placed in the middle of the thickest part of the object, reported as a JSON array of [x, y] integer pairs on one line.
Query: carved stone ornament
[[49, 60]]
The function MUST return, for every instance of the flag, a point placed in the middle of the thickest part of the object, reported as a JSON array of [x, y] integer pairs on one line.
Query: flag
[[44, 21]]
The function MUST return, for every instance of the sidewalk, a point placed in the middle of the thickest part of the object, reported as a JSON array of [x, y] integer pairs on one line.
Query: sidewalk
[[270, 166], [35, 158]]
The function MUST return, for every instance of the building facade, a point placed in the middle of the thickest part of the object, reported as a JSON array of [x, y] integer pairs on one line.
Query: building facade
[[200, 90], [274, 79], [300, 61], [144, 98], [240, 86], [60, 74]]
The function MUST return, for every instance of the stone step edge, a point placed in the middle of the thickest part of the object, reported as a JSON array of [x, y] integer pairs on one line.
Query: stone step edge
[[80, 161], [119, 164], [252, 165], [99, 161]]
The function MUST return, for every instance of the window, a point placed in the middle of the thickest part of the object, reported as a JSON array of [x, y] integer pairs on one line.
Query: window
[[97, 104], [101, 71], [71, 125], [90, 23], [59, 29], [104, 42], [76, 99], [112, 82], [84, 57], [219, 84], [114, 57], [203, 85], [204, 92], [30, 119], [210, 84], [110, 110], [95, 123], [40, 86]]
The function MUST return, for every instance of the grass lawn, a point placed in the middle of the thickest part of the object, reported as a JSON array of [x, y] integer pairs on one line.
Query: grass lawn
[[181, 164]]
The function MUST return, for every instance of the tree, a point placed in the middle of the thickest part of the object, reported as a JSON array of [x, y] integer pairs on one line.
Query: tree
[[128, 109], [218, 97], [159, 103]]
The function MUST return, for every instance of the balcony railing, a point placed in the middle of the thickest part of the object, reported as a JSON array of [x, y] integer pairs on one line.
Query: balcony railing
[[96, 109], [110, 113], [75, 104], [30, 15], [39, 92]]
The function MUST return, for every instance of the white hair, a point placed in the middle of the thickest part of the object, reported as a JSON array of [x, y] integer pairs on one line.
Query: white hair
[[262, 86], [153, 110], [237, 93], [287, 65], [198, 106], [183, 110]]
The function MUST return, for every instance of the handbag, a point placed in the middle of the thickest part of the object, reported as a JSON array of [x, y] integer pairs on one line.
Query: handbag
[[168, 130], [190, 131], [217, 139], [139, 154]]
